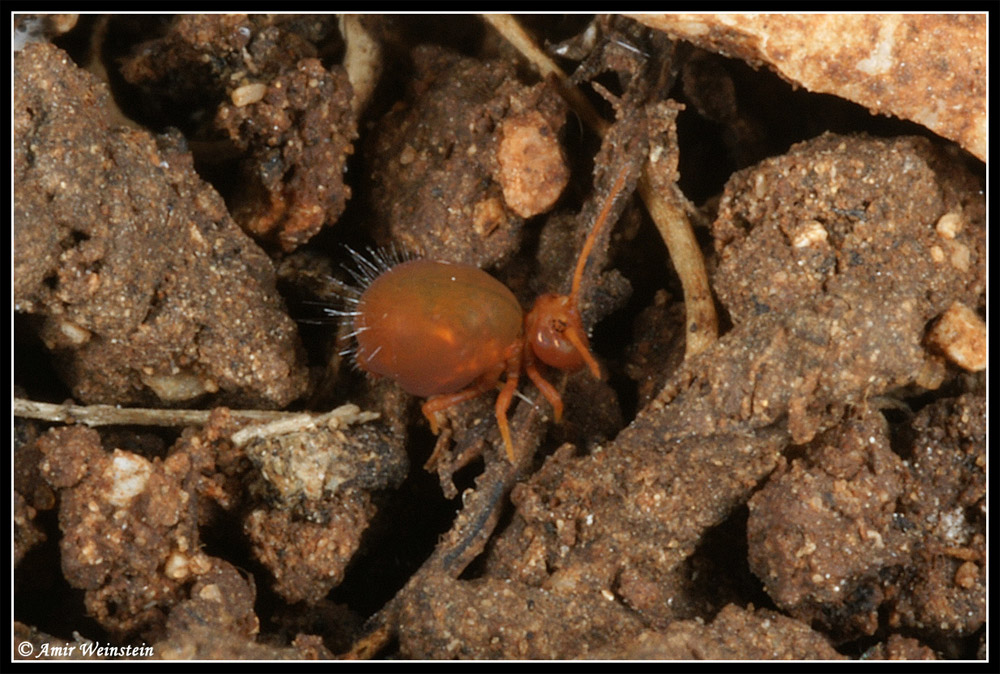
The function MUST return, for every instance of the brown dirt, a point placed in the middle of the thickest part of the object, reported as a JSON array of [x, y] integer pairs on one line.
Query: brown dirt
[[810, 486]]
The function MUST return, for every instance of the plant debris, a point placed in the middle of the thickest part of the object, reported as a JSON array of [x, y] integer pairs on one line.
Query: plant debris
[[785, 457]]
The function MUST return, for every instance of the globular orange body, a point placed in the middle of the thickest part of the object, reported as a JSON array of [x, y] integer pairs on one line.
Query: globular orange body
[[448, 332], [436, 327]]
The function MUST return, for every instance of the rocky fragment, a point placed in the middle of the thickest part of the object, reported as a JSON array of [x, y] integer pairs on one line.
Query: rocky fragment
[[199, 316]]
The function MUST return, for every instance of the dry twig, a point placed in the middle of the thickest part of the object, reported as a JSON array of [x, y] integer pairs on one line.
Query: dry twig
[[268, 422], [664, 208]]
